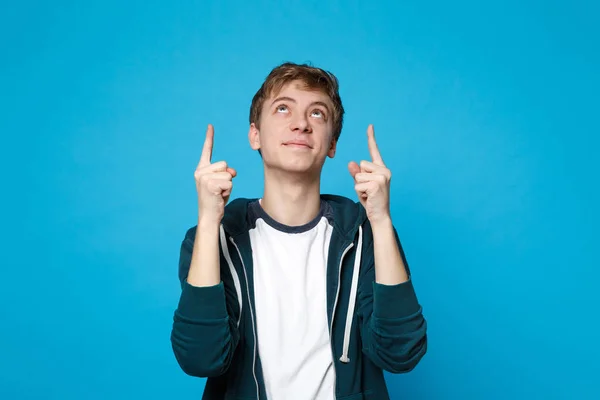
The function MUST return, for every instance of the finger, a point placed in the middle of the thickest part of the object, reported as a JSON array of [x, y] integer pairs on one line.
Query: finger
[[218, 186], [225, 185], [366, 166], [361, 191], [362, 187], [214, 167], [362, 177], [218, 176], [373, 149], [369, 177], [232, 171], [208, 147], [353, 168]]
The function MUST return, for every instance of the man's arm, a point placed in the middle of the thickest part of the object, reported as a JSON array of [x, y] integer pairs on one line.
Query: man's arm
[[389, 266], [204, 269], [393, 329], [205, 331]]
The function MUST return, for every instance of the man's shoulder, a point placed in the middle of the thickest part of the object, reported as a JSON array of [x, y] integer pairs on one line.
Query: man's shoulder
[[238, 207], [348, 214], [235, 211], [235, 219], [338, 199]]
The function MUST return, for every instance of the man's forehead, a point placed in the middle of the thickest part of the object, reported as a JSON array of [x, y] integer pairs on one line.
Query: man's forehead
[[299, 89]]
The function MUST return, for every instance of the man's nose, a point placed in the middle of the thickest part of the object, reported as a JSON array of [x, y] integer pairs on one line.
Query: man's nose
[[300, 123]]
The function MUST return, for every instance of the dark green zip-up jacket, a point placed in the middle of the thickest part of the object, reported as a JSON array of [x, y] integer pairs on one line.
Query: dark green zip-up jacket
[[373, 327]]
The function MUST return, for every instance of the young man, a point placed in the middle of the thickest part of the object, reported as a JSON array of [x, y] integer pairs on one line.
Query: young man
[[296, 295]]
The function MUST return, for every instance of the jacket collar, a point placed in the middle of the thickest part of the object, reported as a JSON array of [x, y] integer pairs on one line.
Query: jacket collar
[[347, 215]]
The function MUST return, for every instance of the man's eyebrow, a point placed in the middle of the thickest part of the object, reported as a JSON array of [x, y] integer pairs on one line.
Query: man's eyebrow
[[320, 103], [285, 98]]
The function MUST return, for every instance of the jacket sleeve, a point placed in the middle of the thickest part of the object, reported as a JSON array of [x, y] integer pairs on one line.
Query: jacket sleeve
[[393, 329], [205, 325]]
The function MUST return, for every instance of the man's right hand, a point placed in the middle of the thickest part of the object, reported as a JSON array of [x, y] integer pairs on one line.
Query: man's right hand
[[213, 183]]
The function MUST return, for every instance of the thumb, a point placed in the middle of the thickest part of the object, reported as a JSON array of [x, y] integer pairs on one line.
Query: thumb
[[354, 168]]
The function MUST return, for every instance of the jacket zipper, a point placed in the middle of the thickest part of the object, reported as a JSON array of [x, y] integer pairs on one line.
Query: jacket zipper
[[337, 293], [251, 316]]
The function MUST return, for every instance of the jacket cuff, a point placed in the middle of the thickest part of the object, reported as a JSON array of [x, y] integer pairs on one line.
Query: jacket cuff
[[202, 303], [394, 301]]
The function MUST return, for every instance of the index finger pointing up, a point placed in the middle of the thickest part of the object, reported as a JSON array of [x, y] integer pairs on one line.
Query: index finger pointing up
[[373, 149], [208, 146]]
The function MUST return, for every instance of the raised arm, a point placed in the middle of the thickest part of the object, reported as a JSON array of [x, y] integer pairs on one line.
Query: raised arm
[[205, 332]]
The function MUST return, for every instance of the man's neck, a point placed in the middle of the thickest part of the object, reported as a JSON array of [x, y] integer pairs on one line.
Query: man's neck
[[289, 200]]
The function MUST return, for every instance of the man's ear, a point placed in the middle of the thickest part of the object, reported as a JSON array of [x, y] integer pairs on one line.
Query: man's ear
[[332, 149], [254, 137]]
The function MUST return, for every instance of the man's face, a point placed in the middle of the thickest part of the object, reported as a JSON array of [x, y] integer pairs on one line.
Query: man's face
[[296, 129]]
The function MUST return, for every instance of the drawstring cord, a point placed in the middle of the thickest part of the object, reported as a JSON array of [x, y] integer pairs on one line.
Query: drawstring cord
[[353, 290], [236, 278]]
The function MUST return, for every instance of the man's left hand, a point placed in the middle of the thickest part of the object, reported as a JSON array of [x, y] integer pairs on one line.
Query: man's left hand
[[372, 182]]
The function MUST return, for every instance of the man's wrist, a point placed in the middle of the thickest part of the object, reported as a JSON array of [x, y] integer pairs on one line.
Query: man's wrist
[[382, 224], [206, 224]]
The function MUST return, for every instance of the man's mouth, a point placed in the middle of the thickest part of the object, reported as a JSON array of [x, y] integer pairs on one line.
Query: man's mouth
[[297, 143]]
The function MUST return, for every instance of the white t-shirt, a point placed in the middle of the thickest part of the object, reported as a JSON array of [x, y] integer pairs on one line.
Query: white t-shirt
[[290, 265]]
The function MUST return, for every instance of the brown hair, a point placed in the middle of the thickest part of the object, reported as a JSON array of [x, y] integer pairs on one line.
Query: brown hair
[[314, 79]]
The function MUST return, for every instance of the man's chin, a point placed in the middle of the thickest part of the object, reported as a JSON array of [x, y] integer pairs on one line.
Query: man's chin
[[295, 167]]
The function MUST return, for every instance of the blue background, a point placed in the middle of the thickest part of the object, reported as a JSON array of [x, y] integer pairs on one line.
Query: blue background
[[487, 116]]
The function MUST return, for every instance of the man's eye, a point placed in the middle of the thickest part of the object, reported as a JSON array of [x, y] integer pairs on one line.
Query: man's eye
[[282, 108], [318, 114]]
